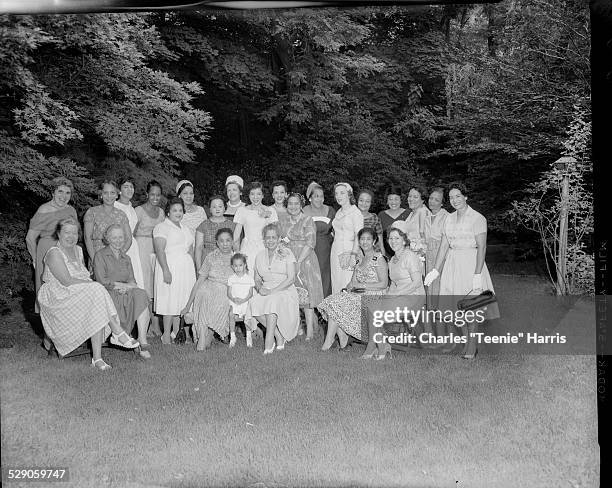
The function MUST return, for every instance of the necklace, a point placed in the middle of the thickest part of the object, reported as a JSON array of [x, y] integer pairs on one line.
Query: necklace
[[230, 204]]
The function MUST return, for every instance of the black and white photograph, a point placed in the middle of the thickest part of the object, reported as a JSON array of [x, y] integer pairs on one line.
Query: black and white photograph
[[273, 244]]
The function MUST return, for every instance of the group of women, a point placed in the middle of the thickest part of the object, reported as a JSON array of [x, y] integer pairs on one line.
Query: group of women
[[177, 262]]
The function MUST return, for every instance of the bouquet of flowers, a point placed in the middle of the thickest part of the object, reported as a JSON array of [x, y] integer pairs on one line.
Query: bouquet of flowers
[[419, 247]]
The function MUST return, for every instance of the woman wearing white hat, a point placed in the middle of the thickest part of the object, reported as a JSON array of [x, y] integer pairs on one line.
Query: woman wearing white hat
[[194, 214], [233, 189], [345, 249]]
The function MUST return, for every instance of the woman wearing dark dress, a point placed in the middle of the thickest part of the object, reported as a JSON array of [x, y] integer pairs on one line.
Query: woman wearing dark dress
[[322, 215], [393, 213]]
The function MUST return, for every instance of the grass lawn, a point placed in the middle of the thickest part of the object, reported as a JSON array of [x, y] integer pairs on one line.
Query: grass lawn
[[301, 417]]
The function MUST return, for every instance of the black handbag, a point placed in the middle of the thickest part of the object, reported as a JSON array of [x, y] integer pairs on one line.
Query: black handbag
[[475, 303], [181, 335]]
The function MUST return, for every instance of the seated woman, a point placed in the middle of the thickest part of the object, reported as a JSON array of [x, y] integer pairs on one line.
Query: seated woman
[[208, 297], [276, 306], [73, 307], [406, 289], [113, 269], [345, 311]]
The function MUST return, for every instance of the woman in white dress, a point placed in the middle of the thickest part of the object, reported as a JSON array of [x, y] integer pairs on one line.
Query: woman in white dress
[[252, 218], [233, 189], [124, 203], [194, 214], [345, 250], [461, 258], [174, 269]]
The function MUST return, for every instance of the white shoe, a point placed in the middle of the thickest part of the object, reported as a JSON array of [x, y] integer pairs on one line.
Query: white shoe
[[249, 338], [232, 340], [172, 335]]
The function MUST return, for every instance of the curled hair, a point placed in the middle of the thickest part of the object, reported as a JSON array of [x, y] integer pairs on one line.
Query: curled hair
[[401, 233], [457, 185], [108, 182], [64, 222], [216, 197], [255, 185], [233, 183], [422, 191], [153, 183], [174, 201], [299, 196], [280, 183], [108, 230], [439, 190], [61, 181], [239, 256], [224, 230], [314, 186], [182, 187], [352, 200], [367, 191], [393, 190], [271, 226], [368, 230]]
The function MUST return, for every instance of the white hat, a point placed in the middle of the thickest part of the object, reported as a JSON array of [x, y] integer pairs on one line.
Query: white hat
[[348, 187], [181, 183], [235, 179], [311, 188], [400, 225]]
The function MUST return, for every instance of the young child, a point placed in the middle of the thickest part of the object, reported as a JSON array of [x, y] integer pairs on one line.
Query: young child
[[240, 287]]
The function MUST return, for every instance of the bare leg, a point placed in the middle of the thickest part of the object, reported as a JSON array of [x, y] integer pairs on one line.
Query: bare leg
[[143, 323], [372, 346], [332, 328], [232, 328], [270, 324], [96, 344], [342, 338], [165, 338]]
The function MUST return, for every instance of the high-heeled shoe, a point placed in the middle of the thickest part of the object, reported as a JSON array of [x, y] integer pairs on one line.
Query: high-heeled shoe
[[100, 364], [365, 355], [384, 350], [470, 356], [269, 351], [130, 343], [281, 347]]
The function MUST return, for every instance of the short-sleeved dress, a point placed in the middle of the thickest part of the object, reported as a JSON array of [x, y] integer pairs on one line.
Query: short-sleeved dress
[[230, 210], [211, 305], [253, 223], [72, 314], [108, 270], [193, 219], [171, 298], [45, 223], [101, 220], [433, 235], [460, 263], [144, 238], [385, 221], [209, 230], [400, 275], [412, 223], [133, 252], [348, 309], [284, 304], [323, 244], [347, 223], [302, 233], [239, 287]]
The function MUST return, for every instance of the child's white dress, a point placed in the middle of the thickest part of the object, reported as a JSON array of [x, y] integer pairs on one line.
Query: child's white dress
[[239, 287]]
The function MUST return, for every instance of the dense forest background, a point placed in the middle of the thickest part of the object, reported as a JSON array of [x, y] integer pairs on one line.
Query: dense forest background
[[482, 93]]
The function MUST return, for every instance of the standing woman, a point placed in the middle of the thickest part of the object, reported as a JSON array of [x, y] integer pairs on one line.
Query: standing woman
[[41, 233], [345, 249], [322, 216], [252, 218], [299, 233], [126, 192], [194, 214], [276, 306], [279, 195], [461, 258], [174, 268], [206, 233], [233, 189], [97, 219], [371, 220], [149, 215], [392, 214], [419, 214]]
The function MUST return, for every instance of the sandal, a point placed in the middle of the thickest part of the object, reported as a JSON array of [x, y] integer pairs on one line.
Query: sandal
[[129, 344], [144, 354], [100, 364]]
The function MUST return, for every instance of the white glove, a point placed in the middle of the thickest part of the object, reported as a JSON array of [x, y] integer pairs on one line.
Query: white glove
[[431, 277], [477, 283]]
